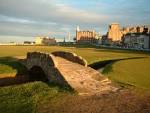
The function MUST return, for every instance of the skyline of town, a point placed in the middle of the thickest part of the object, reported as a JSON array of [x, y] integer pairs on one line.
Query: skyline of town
[[20, 21]]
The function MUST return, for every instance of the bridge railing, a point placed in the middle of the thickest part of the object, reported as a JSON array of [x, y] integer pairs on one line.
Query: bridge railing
[[71, 57]]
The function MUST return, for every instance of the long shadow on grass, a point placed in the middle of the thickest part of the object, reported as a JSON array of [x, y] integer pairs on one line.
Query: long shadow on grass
[[108, 63], [14, 64], [107, 67], [23, 75], [21, 72]]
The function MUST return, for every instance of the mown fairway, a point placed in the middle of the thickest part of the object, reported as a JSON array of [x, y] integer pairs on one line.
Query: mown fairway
[[39, 97], [90, 54], [135, 72]]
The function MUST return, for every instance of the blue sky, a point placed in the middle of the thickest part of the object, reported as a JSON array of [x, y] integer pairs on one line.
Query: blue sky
[[22, 20]]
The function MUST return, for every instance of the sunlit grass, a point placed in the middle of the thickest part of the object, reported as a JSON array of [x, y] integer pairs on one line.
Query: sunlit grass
[[26, 98], [90, 54], [134, 72], [10, 66]]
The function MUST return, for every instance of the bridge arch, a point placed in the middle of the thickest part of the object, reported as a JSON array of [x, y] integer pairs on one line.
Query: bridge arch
[[36, 73], [43, 64]]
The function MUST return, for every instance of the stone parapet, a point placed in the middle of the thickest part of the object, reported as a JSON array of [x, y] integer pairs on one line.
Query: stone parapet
[[71, 57]]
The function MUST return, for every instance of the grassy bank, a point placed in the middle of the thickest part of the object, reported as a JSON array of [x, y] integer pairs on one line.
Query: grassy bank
[[134, 72], [10, 67], [26, 97], [39, 97]]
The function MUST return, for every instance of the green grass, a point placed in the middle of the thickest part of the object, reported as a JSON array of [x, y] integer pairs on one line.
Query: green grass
[[134, 72], [90, 54], [25, 98], [6, 69], [8, 64], [11, 66]]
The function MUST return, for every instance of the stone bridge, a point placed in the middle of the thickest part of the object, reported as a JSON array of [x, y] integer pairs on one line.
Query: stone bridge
[[67, 69]]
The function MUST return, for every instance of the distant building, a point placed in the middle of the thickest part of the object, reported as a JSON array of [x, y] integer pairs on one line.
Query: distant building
[[114, 32], [137, 41], [39, 40], [85, 36], [45, 41], [135, 29]]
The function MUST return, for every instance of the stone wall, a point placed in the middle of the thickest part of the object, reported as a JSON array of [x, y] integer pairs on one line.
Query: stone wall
[[41, 58], [47, 63], [71, 57]]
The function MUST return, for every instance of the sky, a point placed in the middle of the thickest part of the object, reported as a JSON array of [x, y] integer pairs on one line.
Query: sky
[[23, 20]]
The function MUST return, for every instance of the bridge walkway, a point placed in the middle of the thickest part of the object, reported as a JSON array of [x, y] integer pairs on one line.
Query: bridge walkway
[[84, 80]]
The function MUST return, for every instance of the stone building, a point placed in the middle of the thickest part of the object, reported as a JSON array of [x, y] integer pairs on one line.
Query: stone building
[[135, 29], [137, 40], [85, 36], [45, 41], [115, 33]]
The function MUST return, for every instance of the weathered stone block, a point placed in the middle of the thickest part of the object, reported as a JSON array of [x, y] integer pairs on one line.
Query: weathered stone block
[[71, 57]]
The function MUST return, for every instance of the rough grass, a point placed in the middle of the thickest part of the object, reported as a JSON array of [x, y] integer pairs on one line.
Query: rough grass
[[24, 98], [120, 102], [39, 97]]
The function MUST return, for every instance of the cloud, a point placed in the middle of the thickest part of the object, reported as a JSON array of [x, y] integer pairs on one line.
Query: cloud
[[30, 29], [57, 17], [47, 10], [32, 17]]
